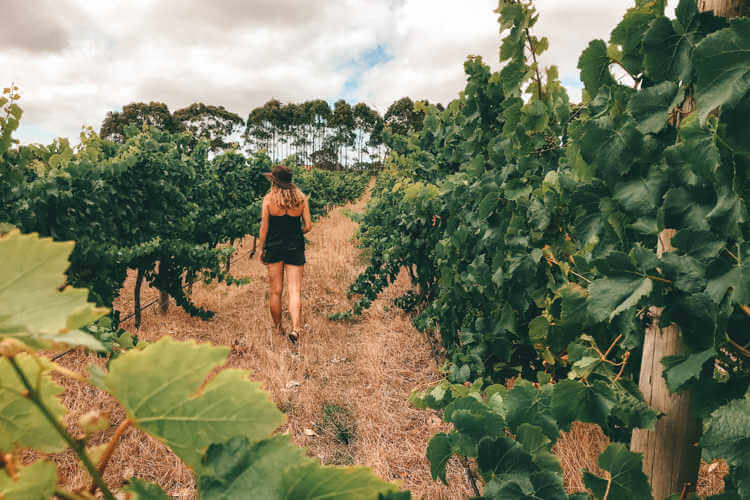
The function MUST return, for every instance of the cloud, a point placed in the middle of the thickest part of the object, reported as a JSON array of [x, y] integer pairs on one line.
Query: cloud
[[37, 26], [76, 60]]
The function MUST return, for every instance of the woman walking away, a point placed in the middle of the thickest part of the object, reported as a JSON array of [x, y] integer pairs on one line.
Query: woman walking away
[[282, 244]]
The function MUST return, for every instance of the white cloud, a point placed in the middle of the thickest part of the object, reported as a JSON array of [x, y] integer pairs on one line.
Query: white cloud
[[76, 60]]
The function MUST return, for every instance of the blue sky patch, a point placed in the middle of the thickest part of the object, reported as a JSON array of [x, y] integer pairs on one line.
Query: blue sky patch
[[357, 66]]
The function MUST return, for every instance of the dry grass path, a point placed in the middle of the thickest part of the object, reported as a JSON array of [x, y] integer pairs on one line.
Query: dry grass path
[[344, 389]]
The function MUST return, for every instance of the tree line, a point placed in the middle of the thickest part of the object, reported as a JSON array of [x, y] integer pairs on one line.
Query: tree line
[[335, 137]]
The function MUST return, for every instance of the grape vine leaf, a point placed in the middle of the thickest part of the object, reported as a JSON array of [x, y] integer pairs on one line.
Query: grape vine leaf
[[314, 482], [573, 401], [22, 424], [276, 469], [668, 44], [501, 455], [32, 309], [722, 66], [474, 419], [439, 451], [527, 404], [162, 390], [679, 370], [35, 481], [651, 106], [728, 435], [138, 489], [537, 485], [237, 467], [629, 35], [627, 478], [610, 296], [594, 65]]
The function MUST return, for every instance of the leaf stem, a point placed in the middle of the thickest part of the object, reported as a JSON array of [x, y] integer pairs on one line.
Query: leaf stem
[[625, 358], [111, 448], [536, 66], [66, 495], [741, 349], [657, 278], [76, 445], [606, 354]]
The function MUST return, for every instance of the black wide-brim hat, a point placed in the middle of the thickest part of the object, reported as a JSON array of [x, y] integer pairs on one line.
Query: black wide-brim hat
[[281, 176]]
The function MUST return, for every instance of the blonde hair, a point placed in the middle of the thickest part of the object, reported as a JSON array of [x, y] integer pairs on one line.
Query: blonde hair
[[286, 198]]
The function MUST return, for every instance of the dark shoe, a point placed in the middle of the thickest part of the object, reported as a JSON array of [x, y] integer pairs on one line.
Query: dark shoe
[[293, 337]]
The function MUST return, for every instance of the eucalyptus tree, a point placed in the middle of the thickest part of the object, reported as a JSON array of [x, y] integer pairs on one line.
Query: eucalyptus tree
[[403, 117], [213, 123], [342, 121], [138, 114]]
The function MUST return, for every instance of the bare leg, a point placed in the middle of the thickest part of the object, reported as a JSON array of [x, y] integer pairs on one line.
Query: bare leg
[[275, 289], [294, 282]]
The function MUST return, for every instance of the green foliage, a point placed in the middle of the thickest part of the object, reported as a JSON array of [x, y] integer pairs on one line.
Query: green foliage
[[529, 230], [524, 466], [221, 426], [163, 390], [37, 480], [32, 310], [627, 479]]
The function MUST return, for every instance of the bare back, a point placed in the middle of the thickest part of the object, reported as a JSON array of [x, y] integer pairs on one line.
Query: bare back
[[274, 209]]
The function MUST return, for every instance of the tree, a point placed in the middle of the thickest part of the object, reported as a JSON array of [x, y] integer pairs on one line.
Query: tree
[[138, 114], [213, 123], [365, 119], [343, 122]]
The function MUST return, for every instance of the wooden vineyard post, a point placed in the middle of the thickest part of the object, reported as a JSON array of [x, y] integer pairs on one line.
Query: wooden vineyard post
[[725, 8], [671, 456], [163, 296]]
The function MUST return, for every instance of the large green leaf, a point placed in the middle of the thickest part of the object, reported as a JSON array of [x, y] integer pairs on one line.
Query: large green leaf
[[628, 34], [695, 158], [627, 482], [439, 451], [679, 370], [527, 404], [610, 296], [143, 490], [32, 309], [502, 455], [728, 435], [314, 482], [668, 44], [573, 401], [33, 482], [651, 106], [611, 145], [540, 485], [22, 424], [722, 66], [161, 388], [238, 467], [594, 66], [640, 196], [474, 419]]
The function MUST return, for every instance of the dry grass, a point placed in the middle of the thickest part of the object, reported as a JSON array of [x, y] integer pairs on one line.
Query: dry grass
[[354, 376]]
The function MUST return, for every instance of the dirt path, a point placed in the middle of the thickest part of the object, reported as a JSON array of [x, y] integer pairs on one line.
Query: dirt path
[[344, 389]]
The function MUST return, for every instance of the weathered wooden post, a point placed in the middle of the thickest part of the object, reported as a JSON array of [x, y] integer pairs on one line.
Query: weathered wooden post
[[671, 456]]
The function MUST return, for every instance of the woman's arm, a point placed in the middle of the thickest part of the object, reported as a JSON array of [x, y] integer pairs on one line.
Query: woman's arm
[[306, 217], [263, 227]]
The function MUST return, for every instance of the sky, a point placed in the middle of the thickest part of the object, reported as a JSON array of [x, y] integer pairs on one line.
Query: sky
[[75, 60]]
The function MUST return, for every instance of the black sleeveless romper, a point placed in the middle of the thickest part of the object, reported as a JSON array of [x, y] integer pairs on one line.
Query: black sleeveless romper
[[285, 242]]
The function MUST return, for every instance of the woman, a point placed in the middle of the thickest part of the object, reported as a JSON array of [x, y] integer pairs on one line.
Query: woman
[[283, 245]]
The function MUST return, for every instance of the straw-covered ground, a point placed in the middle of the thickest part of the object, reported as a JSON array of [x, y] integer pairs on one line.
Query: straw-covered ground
[[344, 389]]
